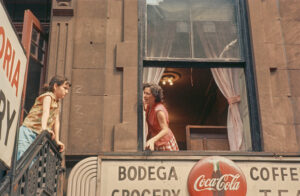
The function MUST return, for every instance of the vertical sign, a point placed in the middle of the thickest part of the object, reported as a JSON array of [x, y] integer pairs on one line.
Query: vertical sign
[[12, 71]]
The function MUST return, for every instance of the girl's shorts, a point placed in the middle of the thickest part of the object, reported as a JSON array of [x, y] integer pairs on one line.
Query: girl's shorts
[[26, 138]]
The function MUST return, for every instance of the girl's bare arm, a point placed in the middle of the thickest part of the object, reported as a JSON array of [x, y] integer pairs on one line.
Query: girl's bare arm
[[46, 109], [56, 131], [45, 114]]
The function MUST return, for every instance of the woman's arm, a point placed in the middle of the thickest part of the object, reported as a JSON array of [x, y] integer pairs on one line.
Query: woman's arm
[[56, 131], [162, 120], [45, 114]]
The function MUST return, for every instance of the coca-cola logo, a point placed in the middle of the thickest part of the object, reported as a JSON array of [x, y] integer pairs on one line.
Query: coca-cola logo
[[216, 176]]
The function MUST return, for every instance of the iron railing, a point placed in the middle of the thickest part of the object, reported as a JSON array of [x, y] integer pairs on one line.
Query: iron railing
[[38, 171]]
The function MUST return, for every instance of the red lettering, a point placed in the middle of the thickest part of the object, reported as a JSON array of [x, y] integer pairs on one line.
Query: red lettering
[[15, 80], [11, 65], [2, 34], [7, 56]]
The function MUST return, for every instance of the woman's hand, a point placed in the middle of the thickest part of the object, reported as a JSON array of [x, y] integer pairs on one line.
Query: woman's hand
[[145, 105], [150, 144], [61, 146]]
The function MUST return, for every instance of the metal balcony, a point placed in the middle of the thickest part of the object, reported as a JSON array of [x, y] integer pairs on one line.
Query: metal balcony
[[37, 172]]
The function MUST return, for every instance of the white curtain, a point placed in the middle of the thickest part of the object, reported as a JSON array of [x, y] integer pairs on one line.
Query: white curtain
[[150, 75], [241, 87], [225, 45], [227, 81], [222, 46]]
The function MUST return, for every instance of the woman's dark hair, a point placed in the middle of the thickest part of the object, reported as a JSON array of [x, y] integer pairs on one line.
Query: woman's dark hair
[[156, 91], [59, 80]]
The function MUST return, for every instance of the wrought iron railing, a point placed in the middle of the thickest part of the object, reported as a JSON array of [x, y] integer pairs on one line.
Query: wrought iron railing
[[38, 171]]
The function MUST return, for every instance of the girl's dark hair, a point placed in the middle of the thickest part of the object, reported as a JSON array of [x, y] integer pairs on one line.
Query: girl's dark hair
[[59, 80], [156, 91]]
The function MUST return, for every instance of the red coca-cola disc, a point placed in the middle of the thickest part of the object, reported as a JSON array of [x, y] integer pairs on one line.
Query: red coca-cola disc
[[216, 176]]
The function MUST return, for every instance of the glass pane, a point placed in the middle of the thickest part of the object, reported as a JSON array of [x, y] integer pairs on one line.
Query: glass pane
[[33, 49], [192, 29], [168, 29], [33, 83], [41, 56], [42, 43], [34, 36]]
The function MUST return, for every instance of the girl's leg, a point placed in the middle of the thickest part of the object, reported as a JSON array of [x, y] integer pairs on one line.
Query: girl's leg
[[26, 138]]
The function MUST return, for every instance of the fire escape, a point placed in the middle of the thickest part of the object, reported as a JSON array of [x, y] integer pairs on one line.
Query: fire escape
[[38, 172]]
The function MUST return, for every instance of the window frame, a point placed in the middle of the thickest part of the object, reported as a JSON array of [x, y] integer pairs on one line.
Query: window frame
[[30, 23], [246, 63]]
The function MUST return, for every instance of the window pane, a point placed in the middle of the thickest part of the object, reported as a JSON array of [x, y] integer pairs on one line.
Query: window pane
[[33, 49], [41, 56], [192, 29], [42, 43], [33, 83], [34, 36]]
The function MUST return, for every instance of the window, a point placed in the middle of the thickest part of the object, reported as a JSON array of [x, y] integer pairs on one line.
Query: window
[[35, 14], [196, 50], [35, 43], [36, 67]]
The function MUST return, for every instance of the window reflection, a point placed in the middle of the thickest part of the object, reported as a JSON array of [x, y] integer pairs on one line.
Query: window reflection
[[38, 46], [34, 36], [192, 29]]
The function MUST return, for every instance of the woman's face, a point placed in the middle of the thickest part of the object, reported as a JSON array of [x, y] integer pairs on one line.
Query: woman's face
[[62, 90], [148, 96]]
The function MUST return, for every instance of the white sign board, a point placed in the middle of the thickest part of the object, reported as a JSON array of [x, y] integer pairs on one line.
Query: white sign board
[[272, 179], [143, 177], [12, 70], [164, 178]]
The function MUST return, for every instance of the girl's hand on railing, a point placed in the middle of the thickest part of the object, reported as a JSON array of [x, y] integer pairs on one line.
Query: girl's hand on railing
[[61, 146], [52, 134]]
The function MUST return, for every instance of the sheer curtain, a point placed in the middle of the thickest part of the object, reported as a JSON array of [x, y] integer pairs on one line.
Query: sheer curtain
[[219, 44], [226, 81], [152, 74]]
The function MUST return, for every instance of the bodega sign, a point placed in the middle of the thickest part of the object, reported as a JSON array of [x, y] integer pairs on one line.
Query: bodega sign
[[142, 178], [187, 176], [12, 71]]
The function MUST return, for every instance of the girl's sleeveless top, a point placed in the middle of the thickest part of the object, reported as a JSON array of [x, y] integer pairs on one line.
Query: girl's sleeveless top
[[34, 118]]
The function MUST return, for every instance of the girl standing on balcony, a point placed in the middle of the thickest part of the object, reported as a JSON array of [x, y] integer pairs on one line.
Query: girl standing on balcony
[[44, 115], [160, 137]]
